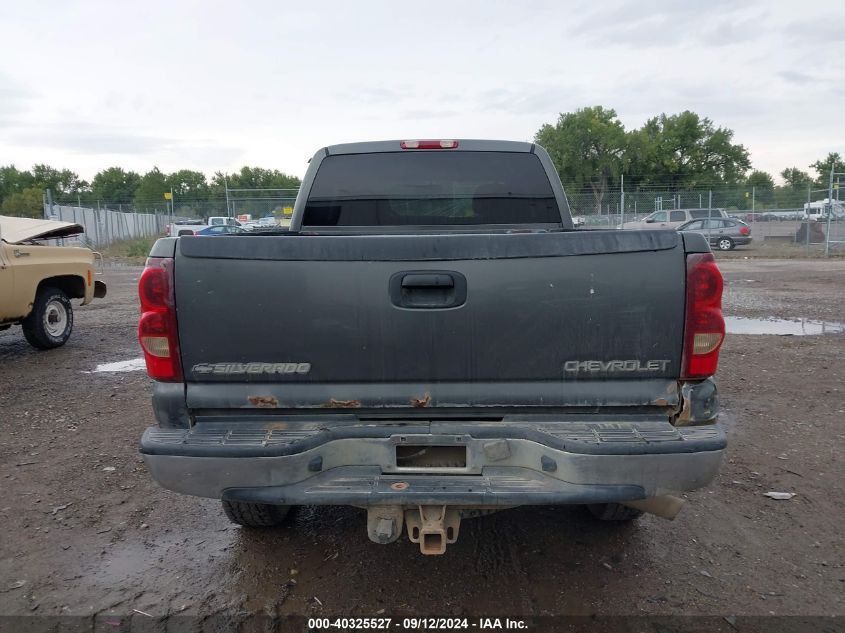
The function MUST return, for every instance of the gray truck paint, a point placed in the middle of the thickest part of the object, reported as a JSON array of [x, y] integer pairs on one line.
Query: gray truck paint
[[617, 306]]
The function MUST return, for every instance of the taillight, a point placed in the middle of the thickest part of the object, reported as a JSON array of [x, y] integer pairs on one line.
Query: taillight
[[429, 144], [157, 326], [704, 328], [744, 230]]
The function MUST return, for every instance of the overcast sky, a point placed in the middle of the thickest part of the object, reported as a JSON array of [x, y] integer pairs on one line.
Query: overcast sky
[[215, 85]]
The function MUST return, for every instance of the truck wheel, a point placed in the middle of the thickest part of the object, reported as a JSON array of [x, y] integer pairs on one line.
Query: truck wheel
[[255, 514], [613, 512], [725, 244], [51, 320]]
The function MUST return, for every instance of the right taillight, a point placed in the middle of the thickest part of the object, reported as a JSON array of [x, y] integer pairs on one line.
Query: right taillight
[[157, 326], [704, 328]]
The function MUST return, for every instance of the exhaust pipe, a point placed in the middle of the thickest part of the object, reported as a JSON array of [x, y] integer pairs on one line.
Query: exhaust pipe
[[665, 506]]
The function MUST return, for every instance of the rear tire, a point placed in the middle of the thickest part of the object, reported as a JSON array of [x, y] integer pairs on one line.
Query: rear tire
[[613, 512], [725, 244], [255, 514], [51, 321]]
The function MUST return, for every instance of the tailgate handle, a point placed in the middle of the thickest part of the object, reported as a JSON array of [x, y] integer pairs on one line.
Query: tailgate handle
[[428, 289], [428, 281]]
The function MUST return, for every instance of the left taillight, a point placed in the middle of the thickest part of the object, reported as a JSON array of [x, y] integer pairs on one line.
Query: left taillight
[[744, 230], [704, 328], [157, 325]]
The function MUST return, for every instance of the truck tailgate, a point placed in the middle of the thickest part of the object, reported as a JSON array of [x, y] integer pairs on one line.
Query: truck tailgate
[[444, 320]]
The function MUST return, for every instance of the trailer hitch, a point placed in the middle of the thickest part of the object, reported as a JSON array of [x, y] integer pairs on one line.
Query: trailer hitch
[[433, 527]]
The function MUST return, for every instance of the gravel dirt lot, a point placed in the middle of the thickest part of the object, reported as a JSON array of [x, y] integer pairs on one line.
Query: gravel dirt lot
[[86, 531]]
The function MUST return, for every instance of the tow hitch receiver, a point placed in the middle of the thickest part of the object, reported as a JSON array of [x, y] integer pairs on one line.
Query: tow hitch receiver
[[433, 527]]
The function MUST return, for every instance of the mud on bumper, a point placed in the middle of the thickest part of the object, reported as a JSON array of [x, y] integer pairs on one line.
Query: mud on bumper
[[501, 465]]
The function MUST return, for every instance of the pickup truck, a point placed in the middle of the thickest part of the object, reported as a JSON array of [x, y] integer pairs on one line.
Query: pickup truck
[[447, 346], [38, 281]]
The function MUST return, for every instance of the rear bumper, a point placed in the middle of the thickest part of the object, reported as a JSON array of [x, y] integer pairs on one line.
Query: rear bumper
[[504, 466]]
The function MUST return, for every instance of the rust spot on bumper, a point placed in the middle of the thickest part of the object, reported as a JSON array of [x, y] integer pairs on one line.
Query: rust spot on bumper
[[420, 403], [342, 404], [265, 402]]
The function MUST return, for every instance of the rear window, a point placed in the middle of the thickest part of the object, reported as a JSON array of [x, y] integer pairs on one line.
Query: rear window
[[431, 188]]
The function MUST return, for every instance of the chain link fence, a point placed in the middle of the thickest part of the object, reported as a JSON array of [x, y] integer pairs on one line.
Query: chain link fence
[[256, 203], [259, 203], [770, 222], [811, 219], [647, 199]]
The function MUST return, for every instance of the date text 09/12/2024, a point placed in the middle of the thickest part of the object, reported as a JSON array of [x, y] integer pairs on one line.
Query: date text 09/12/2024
[[416, 624]]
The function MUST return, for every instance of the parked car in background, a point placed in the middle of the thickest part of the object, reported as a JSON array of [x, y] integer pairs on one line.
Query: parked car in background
[[723, 233], [759, 217], [221, 229], [673, 218], [794, 214], [191, 227], [37, 281]]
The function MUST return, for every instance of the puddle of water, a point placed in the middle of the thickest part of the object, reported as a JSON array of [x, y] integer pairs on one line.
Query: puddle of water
[[781, 327], [136, 364]]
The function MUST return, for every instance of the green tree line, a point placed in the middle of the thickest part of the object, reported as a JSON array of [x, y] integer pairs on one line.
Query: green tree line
[[22, 191], [593, 151]]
